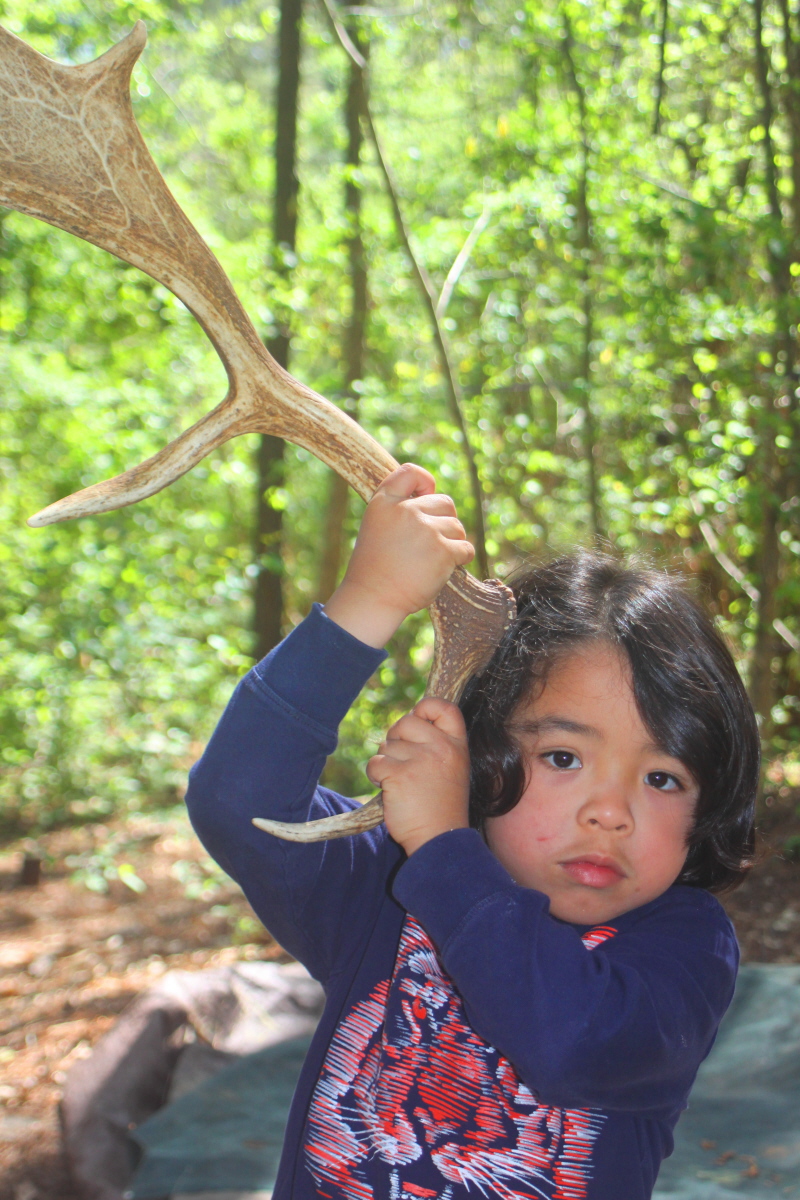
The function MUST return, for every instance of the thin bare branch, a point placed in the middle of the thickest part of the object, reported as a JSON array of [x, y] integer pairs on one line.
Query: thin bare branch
[[452, 385], [355, 331], [460, 262], [786, 634], [346, 42], [560, 400], [675, 189], [739, 577], [727, 564]]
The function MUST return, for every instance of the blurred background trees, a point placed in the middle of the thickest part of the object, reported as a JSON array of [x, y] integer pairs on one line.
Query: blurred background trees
[[604, 200]]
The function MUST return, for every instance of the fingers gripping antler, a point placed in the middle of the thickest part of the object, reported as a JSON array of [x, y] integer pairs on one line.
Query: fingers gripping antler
[[71, 154]]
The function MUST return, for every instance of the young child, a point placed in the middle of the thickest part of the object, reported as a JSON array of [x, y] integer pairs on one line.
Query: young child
[[525, 967]]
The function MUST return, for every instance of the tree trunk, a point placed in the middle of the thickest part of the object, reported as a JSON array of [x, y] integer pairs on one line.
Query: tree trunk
[[268, 599], [791, 52], [585, 246], [585, 400], [791, 108], [355, 332], [779, 237], [773, 480], [662, 58], [761, 677]]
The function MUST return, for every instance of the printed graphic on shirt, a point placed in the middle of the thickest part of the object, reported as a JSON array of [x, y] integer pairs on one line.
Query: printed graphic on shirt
[[595, 936], [412, 1105]]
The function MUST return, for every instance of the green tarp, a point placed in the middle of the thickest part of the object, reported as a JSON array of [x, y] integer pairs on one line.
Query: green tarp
[[746, 1100], [227, 1134], [739, 1139]]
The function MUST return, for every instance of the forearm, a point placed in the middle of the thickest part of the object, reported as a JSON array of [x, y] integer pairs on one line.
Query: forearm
[[366, 617], [266, 754]]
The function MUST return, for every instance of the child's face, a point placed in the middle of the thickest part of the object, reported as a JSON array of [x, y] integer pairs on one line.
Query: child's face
[[602, 825]]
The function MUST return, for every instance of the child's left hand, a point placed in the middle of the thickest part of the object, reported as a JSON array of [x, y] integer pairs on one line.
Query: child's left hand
[[422, 769]]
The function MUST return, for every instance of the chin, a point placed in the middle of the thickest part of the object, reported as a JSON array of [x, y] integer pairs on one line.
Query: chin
[[590, 909]]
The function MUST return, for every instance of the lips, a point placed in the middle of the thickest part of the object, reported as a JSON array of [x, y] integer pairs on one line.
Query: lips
[[594, 870]]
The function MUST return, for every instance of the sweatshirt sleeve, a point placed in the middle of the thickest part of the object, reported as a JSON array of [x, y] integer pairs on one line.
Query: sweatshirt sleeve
[[623, 1026], [264, 760]]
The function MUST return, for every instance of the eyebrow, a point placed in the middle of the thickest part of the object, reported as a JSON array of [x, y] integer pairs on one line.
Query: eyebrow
[[556, 723]]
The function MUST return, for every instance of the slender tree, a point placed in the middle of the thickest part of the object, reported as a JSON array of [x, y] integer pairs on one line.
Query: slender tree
[[356, 329], [585, 247], [781, 395], [791, 104], [662, 59], [270, 462]]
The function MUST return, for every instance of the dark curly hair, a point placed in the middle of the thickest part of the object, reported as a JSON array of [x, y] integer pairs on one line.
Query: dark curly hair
[[685, 682]]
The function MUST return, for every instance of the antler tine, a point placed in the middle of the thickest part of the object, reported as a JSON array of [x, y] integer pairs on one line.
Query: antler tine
[[312, 422], [72, 155]]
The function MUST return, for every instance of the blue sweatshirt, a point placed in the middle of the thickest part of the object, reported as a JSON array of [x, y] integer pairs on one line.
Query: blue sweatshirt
[[472, 1047]]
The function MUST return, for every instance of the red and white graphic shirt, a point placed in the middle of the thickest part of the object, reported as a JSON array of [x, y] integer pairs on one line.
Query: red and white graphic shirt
[[412, 1104]]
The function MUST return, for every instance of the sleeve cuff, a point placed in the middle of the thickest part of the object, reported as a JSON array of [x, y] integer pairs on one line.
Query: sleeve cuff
[[448, 877], [319, 669]]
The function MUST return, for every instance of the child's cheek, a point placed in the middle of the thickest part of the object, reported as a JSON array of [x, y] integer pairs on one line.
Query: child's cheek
[[545, 805], [534, 820]]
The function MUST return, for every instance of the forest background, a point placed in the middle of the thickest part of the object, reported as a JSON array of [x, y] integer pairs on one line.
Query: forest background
[[568, 286]]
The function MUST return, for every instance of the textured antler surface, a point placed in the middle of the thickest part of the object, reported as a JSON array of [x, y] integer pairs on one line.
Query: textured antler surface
[[71, 154]]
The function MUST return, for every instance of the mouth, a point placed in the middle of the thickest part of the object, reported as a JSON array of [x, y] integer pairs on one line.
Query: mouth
[[594, 870]]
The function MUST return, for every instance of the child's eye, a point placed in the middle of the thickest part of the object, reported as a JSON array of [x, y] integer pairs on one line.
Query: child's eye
[[663, 781], [563, 760]]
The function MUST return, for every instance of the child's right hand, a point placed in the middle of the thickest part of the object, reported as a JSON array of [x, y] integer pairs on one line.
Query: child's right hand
[[408, 546]]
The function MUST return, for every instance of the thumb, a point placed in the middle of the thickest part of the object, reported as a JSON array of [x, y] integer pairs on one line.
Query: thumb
[[443, 715], [407, 481]]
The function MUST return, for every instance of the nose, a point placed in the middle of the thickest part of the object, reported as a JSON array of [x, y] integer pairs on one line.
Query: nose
[[607, 808]]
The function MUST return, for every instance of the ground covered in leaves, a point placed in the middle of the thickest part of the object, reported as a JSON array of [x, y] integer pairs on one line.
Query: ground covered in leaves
[[120, 903]]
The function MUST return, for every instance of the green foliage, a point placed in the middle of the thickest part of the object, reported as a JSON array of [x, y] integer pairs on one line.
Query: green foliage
[[122, 636]]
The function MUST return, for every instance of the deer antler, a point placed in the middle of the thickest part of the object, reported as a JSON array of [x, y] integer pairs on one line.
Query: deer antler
[[71, 154]]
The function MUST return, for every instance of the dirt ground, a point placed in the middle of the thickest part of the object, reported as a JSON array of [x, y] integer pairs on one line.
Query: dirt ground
[[766, 908], [72, 958]]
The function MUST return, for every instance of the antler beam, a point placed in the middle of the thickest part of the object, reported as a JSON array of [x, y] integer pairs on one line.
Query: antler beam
[[71, 154]]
